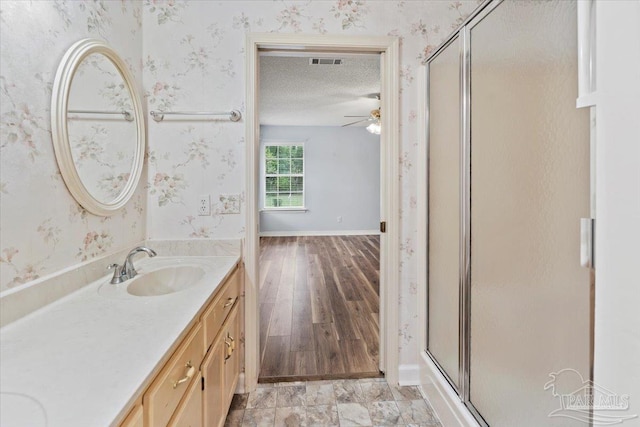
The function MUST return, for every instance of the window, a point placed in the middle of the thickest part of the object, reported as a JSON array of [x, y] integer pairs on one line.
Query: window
[[284, 176]]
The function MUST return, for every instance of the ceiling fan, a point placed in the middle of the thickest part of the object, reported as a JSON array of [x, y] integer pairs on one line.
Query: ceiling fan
[[373, 117]]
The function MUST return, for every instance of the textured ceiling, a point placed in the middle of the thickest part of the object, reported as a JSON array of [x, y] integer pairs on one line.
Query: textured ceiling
[[294, 93]]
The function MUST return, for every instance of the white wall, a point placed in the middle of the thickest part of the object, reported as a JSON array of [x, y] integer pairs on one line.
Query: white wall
[[617, 318], [342, 179]]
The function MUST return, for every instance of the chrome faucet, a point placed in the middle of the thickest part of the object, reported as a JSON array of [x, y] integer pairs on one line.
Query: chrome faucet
[[126, 271]]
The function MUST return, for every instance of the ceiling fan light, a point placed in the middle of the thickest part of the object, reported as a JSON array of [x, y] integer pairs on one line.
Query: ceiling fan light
[[374, 128]]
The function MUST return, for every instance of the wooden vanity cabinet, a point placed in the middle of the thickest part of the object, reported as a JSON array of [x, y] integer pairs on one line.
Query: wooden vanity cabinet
[[135, 417], [189, 414], [196, 385], [218, 311], [220, 372], [232, 357], [213, 380], [222, 365], [165, 395]]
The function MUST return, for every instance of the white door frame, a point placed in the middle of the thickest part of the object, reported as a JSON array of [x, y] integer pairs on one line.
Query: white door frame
[[389, 48]]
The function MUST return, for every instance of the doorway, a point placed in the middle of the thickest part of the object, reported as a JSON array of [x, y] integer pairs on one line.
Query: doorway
[[388, 48], [319, 210]]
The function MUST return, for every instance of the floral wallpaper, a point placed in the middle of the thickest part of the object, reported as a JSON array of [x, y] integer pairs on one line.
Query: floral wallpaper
[[193, 59], [42, 229], [188, 55]]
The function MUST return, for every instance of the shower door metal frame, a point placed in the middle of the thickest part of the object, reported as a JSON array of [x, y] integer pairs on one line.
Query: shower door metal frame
[[462, 36], [455, 37], [465, 314]]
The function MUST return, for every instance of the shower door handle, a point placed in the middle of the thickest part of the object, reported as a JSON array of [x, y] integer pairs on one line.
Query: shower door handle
[[587, 229]]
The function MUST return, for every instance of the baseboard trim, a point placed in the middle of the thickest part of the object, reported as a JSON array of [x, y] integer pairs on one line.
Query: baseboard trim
[[240, 387], [446, 404], [319, 233], [408, 375]]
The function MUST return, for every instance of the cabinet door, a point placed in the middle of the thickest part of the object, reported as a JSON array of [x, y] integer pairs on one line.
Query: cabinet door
[[189, 413], [171, 385], [213, 396], [134, 419], [215, 315], [232, 355]]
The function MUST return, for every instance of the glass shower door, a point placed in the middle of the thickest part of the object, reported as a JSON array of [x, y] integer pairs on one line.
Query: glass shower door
[[444, 210], [529, 150]]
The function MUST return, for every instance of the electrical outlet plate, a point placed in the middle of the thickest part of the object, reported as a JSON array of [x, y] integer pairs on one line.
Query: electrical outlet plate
[[204, 205], [229, 204]]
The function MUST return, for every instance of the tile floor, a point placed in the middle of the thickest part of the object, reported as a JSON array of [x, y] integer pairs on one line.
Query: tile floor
[[364, 402]]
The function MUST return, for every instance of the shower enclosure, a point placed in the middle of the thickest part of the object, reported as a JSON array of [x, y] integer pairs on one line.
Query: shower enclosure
[[508, 302]]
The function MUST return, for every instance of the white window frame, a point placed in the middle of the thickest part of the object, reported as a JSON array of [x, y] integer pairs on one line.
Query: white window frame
[[263, 168]]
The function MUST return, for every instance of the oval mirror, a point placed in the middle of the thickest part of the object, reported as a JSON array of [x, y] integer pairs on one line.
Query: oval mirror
[[97, 127]]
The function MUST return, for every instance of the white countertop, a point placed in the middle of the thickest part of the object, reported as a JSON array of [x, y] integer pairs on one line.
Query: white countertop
[[83, 359]]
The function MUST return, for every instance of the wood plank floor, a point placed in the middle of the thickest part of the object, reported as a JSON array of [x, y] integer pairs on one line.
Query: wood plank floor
[[319, 305]]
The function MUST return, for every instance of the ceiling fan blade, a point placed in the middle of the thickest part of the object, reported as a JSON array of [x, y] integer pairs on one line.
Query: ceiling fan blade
[[358, 121]]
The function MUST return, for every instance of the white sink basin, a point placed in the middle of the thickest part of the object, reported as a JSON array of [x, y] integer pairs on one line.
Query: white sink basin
[[165, 280], [163, 276]]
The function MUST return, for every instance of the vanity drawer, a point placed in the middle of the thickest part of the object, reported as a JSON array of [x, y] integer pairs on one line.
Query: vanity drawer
[[219, 309], [190, 412], [164, 394]]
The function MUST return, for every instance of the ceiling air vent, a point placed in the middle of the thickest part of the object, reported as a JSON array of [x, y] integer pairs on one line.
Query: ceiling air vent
[[325, 61]]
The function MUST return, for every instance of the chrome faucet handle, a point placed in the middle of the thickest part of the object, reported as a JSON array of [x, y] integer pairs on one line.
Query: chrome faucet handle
[[129, 269], [119, 275]]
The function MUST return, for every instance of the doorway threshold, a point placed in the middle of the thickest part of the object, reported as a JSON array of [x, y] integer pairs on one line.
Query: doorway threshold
[[342, 376]]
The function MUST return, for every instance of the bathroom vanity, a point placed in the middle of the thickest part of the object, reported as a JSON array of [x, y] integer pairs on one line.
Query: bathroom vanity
[[103, 356], [196, 385]]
